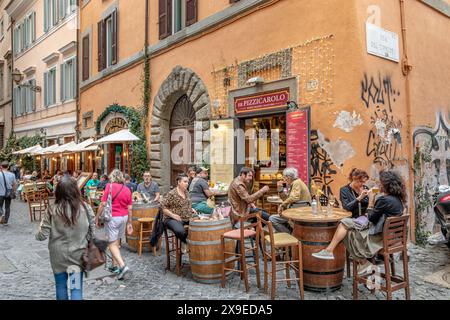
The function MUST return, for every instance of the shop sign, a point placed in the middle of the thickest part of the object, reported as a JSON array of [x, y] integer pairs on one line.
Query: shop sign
[[382, 43], [115, 125], [262, 102], [298, 142]]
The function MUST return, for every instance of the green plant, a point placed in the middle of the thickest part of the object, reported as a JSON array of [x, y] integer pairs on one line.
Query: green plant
[[421, 235], [13, 144]]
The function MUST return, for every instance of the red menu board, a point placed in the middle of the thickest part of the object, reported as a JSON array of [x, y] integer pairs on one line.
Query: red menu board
[[298, 142]]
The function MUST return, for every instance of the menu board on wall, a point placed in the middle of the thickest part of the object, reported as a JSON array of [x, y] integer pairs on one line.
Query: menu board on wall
[[298, 142], [222, 151]]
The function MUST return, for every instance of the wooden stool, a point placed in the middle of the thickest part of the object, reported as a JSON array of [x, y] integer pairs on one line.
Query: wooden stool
[[246, 231], [285, 242], [147, 232], [173, 249], [394, 240]]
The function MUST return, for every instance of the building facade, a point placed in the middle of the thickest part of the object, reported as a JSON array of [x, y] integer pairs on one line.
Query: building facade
[[45, 71], [333, 84], [5, 74]]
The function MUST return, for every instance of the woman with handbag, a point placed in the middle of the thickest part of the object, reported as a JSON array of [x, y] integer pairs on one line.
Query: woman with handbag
[[69, 225], [363, 236], [116, 210]]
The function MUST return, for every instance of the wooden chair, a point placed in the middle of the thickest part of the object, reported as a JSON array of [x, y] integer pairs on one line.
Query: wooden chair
[[145, 232], [36, 203], [288, 246], [394, 241], [173, 249], [245, 231]]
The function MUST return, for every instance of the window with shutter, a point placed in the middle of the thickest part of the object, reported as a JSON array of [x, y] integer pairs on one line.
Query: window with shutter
[[164, 13], [46, 89], [23, 100], [46, 15], [62, 9], [85, 58], [33, 95], [63, 82], [54, 13], [100, 45], [53, 86], [191, 12], [74, 78], [114, 22], [33, 27]]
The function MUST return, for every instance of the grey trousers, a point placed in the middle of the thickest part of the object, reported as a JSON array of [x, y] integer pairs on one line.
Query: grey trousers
[[280, 224]]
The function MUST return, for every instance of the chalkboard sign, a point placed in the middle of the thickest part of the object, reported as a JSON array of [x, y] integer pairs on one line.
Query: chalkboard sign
[[298, 146]]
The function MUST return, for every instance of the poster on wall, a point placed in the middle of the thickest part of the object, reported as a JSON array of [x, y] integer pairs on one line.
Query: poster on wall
[[298, 151], [222, 151]]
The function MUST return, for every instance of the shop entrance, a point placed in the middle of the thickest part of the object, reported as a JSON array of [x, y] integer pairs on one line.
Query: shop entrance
[[115, 159], [265, 148], [181, 138]]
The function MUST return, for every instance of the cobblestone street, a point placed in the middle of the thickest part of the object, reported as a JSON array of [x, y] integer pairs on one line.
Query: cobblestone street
[[25, 273]]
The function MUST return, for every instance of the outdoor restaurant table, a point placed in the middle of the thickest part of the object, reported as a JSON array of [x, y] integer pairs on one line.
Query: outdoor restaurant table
[[221, 196], [205, 250], [140, 210], [315, 232]]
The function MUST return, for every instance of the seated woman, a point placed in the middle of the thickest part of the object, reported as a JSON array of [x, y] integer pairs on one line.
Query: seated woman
[[177, 209], [354, 195], [363, 239]]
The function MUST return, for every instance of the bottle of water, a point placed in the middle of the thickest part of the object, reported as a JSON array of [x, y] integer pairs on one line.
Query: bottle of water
[[314, 206]]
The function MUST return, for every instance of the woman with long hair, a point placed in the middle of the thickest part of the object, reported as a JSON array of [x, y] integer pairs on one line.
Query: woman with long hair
[[121, 219], [354, 196], [363, 237], [69, 225]]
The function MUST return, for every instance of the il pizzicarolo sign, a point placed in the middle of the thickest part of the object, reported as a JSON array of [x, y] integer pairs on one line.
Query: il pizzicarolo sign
[[382, 43], [262, 102]]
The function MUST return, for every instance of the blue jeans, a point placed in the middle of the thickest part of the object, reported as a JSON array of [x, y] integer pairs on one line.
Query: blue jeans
[[76, 286]]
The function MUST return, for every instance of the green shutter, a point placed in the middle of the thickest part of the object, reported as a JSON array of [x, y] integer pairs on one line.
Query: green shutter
[[63, 82], [46, 15], [45, 89], [33, 96]]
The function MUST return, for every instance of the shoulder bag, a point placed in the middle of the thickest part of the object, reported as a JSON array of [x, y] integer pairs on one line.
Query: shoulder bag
[[9, 192], [107, 209], [94, 255]]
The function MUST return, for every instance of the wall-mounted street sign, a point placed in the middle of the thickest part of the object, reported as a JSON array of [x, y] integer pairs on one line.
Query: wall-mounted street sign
[[382, 43], [261, 102]]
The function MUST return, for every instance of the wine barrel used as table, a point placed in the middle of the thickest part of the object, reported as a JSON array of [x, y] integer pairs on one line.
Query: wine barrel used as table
[[205, 250], [144, 210], [315, 232]]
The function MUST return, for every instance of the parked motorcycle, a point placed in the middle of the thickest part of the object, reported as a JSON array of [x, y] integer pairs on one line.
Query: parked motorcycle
[[442, 211]]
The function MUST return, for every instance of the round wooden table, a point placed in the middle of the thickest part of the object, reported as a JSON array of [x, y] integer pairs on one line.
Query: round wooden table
[[315, 232]]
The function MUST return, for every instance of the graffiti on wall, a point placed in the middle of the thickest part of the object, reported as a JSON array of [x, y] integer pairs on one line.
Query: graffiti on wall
[[323, 169], [384, 140], [432, 167]]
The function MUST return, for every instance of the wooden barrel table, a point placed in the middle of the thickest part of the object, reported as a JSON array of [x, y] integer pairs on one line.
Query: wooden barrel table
[[315, 232], [143, 210], [205, 250]]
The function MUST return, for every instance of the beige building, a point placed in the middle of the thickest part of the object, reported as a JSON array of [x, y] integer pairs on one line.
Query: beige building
[[5, 73], [45, 55]]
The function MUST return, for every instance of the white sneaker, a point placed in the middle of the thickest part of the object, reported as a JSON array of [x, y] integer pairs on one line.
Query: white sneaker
[[323, 254], [364, 268]]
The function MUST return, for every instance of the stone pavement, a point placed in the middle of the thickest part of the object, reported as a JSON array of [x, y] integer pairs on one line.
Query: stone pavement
[[25, 273]]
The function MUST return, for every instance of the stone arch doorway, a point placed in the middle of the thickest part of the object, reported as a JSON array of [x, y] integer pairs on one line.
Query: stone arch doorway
[[181, 128], [183, 85]]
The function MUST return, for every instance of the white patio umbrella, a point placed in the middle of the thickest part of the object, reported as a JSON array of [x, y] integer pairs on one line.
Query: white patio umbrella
[[29, 150], [84, 146], [122, 136]]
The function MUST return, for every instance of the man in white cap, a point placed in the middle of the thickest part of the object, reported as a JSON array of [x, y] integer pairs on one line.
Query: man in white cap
[[199, 192]]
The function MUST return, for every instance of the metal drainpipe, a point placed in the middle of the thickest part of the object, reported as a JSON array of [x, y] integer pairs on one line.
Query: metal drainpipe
[[406, 69]]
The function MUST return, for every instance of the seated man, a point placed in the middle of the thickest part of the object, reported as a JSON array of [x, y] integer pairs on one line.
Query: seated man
[[298, 192], [104, 180], [149, 188], [199, 192], [243, 203], [92, 183]]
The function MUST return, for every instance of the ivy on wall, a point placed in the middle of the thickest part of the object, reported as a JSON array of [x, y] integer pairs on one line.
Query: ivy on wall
[[139, 158]]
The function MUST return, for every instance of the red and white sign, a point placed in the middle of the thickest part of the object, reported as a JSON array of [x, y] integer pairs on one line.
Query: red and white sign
[[262, 102], [298, 143]]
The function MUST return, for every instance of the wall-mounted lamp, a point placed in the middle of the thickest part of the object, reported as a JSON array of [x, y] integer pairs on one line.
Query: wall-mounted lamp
[[292, 105], [18, 77], [255, 81]]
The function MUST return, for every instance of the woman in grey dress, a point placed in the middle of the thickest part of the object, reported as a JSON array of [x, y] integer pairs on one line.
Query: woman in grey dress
[[363, 236], [69, 225]]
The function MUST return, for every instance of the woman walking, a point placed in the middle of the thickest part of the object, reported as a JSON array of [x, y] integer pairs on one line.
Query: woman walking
[[121, 219], [69, 225]]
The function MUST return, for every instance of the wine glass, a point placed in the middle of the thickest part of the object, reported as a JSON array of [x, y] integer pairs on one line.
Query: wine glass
[[331, 200]]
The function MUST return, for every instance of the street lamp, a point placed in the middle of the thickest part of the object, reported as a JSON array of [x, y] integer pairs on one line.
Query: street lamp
[[18, 77]]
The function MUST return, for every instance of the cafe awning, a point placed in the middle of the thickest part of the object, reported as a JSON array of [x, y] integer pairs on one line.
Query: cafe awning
[[122, 136], [65, 148], [29, 150], [84, 146], [48, 150]]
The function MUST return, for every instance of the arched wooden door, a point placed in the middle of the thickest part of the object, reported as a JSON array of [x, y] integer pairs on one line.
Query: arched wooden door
[[181, 138]]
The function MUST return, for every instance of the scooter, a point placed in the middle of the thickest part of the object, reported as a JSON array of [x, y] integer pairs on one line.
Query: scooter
[[442, 211]]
